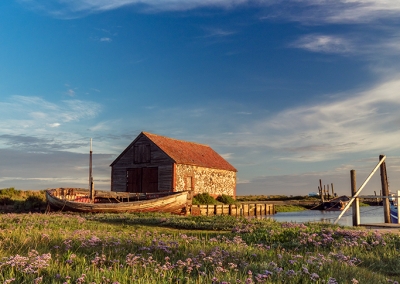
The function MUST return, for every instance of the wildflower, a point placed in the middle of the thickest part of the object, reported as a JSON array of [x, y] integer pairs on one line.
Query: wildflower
[[290, 273], [332, 281], [354, 281], [81, 279], [314, 276]]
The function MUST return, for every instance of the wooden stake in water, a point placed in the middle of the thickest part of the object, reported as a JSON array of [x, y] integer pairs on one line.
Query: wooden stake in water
[[356, 203], [359, 190], [385, 190], [91, 189]]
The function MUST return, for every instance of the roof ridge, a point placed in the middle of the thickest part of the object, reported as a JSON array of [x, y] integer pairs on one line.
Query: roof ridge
[[180, 140]]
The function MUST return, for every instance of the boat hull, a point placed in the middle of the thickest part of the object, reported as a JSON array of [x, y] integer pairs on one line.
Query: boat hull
[[113, 202], [393, 214]]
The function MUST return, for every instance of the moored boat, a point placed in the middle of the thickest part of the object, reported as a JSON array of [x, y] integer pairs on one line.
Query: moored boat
[[78, 200], [394, 213], [335, 204]]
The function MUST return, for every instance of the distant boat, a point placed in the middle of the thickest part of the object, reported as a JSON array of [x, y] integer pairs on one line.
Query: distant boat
[[335, 204], [393, 213], [393, 210], [77, 200]]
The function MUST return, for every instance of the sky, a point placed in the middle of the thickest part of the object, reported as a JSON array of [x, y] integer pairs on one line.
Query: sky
[[289, 92]]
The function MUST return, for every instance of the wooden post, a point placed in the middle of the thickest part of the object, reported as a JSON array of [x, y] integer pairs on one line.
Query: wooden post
[[359, 191], [327, 190], [385, 191], [333, 192], [356, 204], [91, 188], [322, 193]]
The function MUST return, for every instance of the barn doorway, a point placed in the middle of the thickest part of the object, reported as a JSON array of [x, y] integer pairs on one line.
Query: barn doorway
[[142, 180]]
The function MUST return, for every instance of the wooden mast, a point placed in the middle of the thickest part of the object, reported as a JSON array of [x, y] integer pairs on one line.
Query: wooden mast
[[91, 187]]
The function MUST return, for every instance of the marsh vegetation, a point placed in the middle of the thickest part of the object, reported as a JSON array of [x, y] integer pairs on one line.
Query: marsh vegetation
[[160, 248]]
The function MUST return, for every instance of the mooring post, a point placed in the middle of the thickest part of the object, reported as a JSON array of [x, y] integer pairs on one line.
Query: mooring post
[[322, 193], [385, 191], [356, 203]]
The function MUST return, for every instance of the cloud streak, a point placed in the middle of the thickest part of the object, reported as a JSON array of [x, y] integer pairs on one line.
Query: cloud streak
[[333, 11], [361, 122], [32, 123], [324, 44]]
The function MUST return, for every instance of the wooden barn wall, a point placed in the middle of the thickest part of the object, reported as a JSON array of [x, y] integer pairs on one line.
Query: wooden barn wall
[[157, 159], [213, 181], [165, 178]]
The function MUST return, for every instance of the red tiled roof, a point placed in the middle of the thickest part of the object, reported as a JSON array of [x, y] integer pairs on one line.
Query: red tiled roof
[[190, 153]]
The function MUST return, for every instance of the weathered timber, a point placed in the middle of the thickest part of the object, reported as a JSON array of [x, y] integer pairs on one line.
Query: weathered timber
[[240, 209], [385, 190], [70, 199]]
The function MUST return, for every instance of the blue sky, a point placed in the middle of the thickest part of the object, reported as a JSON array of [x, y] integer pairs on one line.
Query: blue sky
[[289, 92]]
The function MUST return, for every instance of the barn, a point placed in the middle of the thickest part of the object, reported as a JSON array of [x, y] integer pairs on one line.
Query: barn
[[154, 163]]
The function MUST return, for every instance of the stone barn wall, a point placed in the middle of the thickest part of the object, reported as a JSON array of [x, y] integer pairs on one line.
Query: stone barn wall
[[213, 181]]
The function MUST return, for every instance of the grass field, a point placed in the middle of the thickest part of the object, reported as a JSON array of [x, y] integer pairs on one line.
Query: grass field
[[159, 248]]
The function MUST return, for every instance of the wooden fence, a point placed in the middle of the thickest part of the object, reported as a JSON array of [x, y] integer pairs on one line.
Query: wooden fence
[[242, 209]]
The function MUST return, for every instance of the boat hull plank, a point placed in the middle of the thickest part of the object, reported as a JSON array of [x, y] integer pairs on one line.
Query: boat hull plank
[[72, 200]]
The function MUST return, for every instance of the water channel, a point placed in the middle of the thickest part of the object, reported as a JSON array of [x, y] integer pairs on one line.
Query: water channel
[[368, 215]]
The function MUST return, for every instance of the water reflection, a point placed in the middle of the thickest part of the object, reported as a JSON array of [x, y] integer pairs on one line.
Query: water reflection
[[368, 214]]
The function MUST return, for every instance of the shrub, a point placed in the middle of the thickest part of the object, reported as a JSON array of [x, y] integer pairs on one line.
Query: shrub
[[203, 199], [226, 199], [9, 192]]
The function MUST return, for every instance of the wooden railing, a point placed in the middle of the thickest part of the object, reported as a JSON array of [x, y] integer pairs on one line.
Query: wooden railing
[[354, 201]]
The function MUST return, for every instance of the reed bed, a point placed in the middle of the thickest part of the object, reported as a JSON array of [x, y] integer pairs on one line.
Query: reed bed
[[159, 248]]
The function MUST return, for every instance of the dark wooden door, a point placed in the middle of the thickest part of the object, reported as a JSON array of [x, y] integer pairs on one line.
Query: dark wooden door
[[142, 180], [134, 180], [149, 179]]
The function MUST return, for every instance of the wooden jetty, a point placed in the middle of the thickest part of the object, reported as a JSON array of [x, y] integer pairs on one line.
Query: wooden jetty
[[355, 199], [240, 209]]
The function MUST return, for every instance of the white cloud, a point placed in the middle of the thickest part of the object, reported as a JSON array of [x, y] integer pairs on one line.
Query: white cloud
[[40, 118], [334, 11], [324, 44], [71, 93], [218, 32], [349, 123], [53, 125], [105, 39]]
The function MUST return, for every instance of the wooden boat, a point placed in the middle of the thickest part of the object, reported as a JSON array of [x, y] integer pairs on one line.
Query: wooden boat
[[76, 199], [335, 204], [393, 213]]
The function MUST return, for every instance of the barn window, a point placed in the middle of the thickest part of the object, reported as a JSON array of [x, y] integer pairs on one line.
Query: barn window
[[141, 154]]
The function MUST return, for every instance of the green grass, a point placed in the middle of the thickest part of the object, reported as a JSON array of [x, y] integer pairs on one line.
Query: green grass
[[162, 248], [289, 208]]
